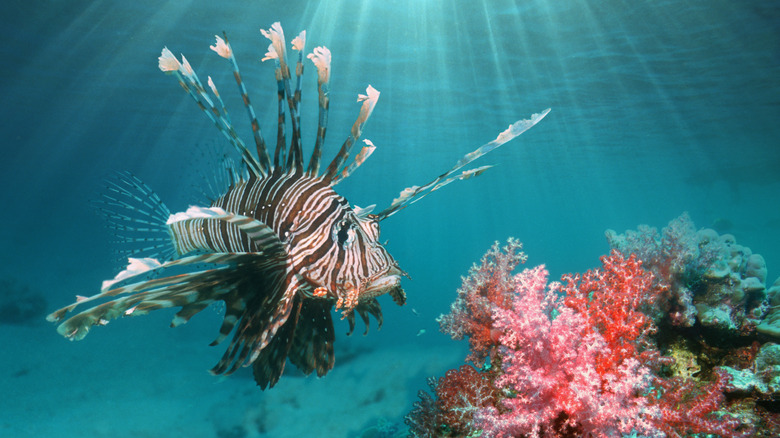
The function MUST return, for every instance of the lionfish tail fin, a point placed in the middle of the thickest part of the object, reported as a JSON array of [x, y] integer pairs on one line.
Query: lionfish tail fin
[[136, 216], [412, 194]]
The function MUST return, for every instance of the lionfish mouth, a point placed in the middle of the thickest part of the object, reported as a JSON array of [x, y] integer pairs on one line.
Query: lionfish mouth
[[383, 282]]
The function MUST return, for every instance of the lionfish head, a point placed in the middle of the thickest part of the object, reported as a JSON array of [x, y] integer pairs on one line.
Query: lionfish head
[[350, 265]]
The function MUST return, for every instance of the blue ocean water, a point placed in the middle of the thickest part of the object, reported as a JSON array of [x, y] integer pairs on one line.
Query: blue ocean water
[[657, 108]]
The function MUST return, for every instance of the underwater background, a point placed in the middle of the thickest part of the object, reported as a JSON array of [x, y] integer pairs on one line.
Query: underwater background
[[657, 108]]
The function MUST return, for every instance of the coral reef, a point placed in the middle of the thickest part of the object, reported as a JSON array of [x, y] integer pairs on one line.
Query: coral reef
[[666, 338], [719, 317], [458, 396], [712, 279], [771, 323]]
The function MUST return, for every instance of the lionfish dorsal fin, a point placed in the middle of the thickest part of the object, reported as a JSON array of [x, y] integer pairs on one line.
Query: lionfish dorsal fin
[[413, 194], [189, 80], [285, 158], [336, 166], [223, 49]]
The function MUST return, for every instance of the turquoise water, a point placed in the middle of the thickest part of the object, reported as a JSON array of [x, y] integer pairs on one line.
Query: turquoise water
[[657, 108]]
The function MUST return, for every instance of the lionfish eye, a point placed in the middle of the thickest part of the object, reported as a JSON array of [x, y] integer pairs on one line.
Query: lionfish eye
[[344, 233]]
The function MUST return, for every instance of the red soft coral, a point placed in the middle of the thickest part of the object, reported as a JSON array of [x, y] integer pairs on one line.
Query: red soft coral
[[612, 301], [689, 407], [460, 393]]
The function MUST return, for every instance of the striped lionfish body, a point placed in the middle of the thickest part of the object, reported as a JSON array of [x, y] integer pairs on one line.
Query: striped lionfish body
[[280, 247]]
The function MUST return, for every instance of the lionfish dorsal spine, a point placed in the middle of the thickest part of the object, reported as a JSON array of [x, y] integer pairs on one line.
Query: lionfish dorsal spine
[[277, 50], [369, 101], [360, 158], [188, 79], [223, 49], [412, 194], [296, 151], [321, 59]]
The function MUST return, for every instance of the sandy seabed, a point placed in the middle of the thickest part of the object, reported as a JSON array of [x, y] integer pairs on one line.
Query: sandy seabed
[[134, 379]]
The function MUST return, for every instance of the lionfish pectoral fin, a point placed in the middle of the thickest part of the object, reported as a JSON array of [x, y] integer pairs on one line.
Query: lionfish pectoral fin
[[192, 291], [412, 194]]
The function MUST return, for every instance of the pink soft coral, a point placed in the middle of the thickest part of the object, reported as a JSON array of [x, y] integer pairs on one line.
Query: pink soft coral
[[488, 286], [557, 364]]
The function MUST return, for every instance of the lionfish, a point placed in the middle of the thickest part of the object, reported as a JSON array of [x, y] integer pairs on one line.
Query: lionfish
[[280, 247]]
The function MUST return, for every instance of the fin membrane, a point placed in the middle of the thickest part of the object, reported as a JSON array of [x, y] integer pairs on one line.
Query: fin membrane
[[136, 216]]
